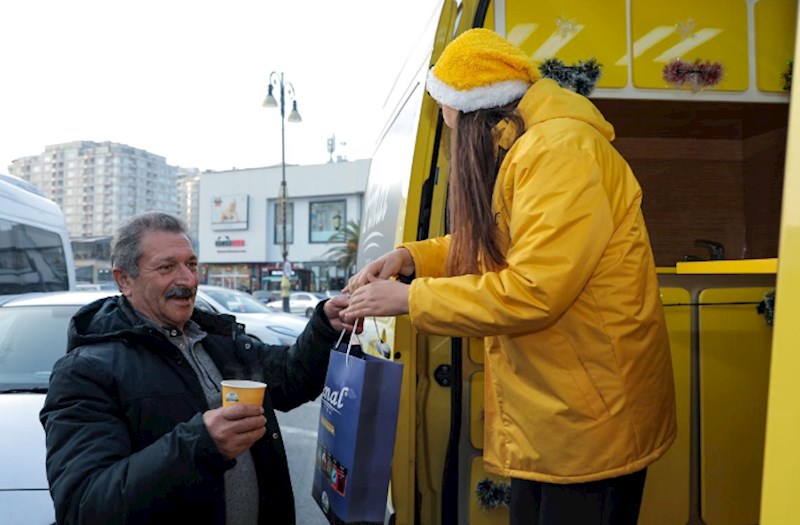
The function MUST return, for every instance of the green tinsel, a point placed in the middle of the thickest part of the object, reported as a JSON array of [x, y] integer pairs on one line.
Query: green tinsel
[[580, 77], [492, 494], [767, 307], [787, 76]]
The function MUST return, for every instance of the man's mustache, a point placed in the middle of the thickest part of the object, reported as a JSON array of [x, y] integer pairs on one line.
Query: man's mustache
[[180, 292]]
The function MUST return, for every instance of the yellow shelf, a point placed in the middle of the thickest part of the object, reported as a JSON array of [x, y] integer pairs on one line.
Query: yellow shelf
[[738, 266]]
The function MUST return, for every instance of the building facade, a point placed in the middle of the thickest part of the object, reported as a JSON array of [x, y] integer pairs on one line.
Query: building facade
[[189, 201], [241, 224], [98, 185]]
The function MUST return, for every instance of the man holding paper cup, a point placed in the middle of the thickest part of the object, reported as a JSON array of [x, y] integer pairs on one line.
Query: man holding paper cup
[[134, 417]]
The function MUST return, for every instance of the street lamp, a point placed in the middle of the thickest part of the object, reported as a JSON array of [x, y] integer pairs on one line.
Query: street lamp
[[285, 90]]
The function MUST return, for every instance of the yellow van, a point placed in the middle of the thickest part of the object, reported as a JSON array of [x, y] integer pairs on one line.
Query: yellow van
[[713, 162]]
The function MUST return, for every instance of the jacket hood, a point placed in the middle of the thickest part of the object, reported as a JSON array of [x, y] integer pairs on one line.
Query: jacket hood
[[546, 100], [101, 320], [113, 318]]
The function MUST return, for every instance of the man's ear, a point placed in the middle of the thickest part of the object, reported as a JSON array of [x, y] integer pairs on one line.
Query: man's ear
[[123, 280]]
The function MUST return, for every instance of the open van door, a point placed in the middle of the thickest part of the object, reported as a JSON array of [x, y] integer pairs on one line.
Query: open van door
[[782, 455]]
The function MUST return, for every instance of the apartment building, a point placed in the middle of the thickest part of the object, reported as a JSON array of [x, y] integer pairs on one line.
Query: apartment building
[[189, 201], [100, 184]]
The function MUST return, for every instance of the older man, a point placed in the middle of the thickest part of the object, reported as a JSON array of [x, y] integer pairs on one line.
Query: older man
[[133, 417]]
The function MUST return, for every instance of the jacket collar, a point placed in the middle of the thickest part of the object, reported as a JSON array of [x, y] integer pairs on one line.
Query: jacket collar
[[113, 318]]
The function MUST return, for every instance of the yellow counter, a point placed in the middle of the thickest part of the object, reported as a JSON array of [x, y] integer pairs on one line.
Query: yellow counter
[[728, 267]]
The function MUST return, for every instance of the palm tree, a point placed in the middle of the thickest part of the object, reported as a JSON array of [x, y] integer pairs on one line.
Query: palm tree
[[345, 254]]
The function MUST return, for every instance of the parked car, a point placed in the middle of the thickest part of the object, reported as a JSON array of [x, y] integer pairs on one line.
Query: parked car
[[33, 335], [266, 296], [271, 327], [107, 286], [299, 303]]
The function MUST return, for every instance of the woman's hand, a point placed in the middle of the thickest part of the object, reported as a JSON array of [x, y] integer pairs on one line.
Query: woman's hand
[[379, 297], [395, 262]]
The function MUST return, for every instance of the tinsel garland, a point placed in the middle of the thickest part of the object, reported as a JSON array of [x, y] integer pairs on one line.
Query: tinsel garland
[[580, 78], [697, 75], [767, 307], [492, 494], [787, 76]]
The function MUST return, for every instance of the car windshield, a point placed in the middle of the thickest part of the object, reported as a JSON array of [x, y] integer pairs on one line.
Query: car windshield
[[32, 338], [236, 302]]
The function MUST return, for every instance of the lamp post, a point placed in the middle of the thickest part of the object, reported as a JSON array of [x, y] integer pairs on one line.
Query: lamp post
[[285, 90]]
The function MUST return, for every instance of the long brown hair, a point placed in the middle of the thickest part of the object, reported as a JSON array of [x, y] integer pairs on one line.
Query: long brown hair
[[474, 163]]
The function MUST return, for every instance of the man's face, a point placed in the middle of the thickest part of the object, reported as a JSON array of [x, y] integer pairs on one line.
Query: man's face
[[165, 288]]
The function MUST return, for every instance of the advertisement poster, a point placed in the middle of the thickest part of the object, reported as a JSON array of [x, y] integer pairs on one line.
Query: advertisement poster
[[229, 212]]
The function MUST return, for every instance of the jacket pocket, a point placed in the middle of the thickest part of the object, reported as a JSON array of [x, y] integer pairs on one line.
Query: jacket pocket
[[589, 401]]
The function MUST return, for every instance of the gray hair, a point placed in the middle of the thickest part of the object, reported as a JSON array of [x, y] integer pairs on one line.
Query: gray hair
[[126, 245]]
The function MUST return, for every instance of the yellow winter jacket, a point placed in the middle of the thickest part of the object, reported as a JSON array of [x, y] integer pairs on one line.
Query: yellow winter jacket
[[579, 382]]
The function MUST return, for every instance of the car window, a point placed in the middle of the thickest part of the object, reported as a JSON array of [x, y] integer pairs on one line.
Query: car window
[[32, 338], [236, 302], [202, 304]]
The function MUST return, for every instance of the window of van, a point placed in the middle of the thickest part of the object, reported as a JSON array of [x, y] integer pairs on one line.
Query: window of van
[[31, 259]]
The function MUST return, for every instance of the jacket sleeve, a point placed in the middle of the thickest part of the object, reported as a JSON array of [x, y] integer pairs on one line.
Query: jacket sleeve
[[559, 225], [296, 374], [429, 256], [94, 475]]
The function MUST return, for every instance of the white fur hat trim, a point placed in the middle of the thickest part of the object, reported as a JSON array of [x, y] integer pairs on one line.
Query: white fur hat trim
[[481, 97]]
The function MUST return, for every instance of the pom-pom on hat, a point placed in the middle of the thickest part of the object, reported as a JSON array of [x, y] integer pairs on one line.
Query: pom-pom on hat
[[479, 70]]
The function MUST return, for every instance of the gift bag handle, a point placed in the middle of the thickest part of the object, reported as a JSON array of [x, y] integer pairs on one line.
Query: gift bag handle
[[349, 341]]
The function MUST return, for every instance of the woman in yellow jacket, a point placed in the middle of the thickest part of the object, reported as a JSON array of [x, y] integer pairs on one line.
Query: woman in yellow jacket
[[549, 260]]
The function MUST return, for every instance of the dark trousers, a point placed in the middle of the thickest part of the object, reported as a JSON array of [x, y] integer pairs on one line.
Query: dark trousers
[[614, 501], [285, 304]]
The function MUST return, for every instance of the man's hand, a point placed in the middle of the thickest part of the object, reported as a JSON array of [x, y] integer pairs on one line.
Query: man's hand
[[234, 429], [333, 307]]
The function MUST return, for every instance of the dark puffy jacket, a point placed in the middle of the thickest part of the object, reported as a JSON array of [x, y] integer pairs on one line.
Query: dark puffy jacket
[[126, 441]]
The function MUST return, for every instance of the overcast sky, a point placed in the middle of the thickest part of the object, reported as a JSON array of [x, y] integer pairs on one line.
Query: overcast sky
[[185, 79]]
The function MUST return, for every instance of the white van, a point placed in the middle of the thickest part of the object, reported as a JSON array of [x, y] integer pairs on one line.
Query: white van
[[35, 251]]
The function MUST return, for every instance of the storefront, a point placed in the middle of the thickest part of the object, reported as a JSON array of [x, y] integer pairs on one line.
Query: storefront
[[235, 276], [240, 233]]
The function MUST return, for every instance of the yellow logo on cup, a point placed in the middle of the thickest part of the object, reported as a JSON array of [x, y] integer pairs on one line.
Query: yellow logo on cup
[[242, 391]]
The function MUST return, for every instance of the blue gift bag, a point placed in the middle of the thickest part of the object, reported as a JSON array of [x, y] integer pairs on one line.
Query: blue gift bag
[[355, 440]]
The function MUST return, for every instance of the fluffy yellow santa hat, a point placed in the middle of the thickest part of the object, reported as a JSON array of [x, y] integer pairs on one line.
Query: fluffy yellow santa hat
[[479, 70]]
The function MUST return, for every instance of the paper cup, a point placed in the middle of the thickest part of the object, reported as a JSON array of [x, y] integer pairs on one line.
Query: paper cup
[[241, 391]]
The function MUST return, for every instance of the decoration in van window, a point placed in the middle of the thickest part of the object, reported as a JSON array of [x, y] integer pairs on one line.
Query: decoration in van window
[[492, 494], [686, 29], [697, 75], [767, 307], [580, 77], [566, 27], [787, 76]]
